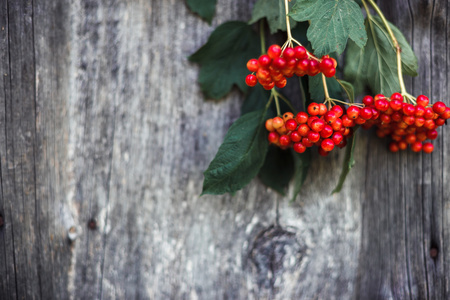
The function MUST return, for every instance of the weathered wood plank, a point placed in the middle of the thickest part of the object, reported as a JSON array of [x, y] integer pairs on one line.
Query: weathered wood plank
[[105, 135]]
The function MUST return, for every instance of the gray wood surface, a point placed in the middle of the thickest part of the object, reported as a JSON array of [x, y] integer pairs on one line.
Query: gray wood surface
[[104, 135]]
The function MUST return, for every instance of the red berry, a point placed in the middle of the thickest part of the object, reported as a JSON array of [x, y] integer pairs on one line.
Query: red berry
[[303, 65], [251, 80], [439, 122], [269, 86], [291, 125], [337, 138], [409, 119], [408, 109], [329, 72], [338, 110], [317, 125], [300, 52], [342, 144], [429, 124], [285, 140], [439, 107], [386, 119], [282, 130], [273, 137], [365, 113], [395, 104], [291, 63], [422, 100], [327, 145], [378, 97], [410, 138], [313, 109], [313, 67], [326, 132], [311, 119], [427, 147], [419, 111], [301, 117], [419, 121], [429, 113], [421, 136], [382, 105], [347, 122], [279, 63], [397, 96], [269, 125], [446, 114], [393, 147], [375, 113], [299, 147], [359, 120], [322, 109], [295, 136], [252, 65], [353, 112], [287, 116], [337, 124], [402, 145], [330, 117], [432, 134], [416, 147], [313, 136], [368, 100], [288, 53], [277, 122], [281, 84], [303, 130], [263, 74], [264, 60], [325, 64], [307, 142], [274, 51]]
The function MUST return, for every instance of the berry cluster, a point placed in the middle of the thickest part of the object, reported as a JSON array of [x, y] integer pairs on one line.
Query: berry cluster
[[318, 126], [405, 123], [273, 68]]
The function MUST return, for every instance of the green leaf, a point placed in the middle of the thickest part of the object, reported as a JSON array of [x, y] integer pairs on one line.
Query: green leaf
[[349, 161], [333, 22], [348, 89], [204, 8], [302, 163], [316, 88], [240, 156], [375, 65], [256, 99], [275, 13], [278, 169], [224, 57]]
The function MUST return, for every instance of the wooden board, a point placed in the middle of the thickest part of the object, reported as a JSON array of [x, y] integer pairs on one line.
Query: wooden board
[[104, 135]]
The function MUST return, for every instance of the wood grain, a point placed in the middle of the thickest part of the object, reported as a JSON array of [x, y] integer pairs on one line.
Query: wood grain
[[104, 137]]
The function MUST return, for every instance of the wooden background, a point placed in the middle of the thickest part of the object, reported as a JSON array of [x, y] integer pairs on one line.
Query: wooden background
[[104, 135]]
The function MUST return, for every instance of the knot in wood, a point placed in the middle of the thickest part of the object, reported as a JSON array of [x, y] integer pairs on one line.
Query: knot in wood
[[274, 251], [434, 252], [92, 224]]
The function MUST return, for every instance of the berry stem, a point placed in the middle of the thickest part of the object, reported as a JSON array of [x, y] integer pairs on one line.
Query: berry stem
[[262, 36], [397, 47], [325, 87], [288, 25], [290, 39], [286, 101], [274, 94]]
